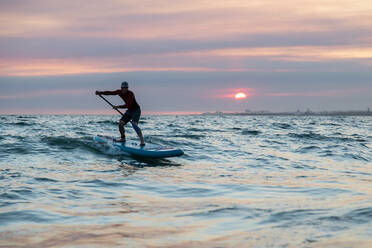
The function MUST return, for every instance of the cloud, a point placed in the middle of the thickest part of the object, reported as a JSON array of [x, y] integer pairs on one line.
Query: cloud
[[194, 20], [35, 94], [71, 37], [178, 54], [324, 93], [295, 53], [277, 59]]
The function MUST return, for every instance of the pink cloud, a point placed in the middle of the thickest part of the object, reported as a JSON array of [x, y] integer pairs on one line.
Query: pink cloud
[[46, 92], [333, 93], [45, 67]]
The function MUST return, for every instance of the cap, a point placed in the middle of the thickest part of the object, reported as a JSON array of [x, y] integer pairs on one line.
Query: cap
[[124, 84]]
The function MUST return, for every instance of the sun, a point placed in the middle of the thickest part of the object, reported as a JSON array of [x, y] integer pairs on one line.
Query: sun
[[240, 96]]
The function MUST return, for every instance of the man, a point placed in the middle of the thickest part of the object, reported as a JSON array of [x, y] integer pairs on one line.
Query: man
[[133, 112]]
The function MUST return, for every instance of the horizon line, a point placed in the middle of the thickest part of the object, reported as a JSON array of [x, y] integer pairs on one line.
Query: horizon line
[[98, 113], [145, 113]]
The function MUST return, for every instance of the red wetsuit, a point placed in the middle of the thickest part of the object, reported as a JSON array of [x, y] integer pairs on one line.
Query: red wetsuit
[[129, 99]]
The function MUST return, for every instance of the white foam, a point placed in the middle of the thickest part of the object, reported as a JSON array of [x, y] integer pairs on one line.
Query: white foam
[[108, 148]]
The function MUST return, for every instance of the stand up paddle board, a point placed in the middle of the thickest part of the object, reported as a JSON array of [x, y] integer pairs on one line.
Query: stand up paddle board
[[134, 148]]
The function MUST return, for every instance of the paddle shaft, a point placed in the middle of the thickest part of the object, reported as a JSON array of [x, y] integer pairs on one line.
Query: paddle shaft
[[111, 105]]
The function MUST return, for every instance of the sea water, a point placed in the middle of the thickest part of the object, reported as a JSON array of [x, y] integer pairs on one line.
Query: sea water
[[244, 181]]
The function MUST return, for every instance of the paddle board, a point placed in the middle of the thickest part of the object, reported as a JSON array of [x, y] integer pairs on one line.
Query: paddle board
[[134, 148]]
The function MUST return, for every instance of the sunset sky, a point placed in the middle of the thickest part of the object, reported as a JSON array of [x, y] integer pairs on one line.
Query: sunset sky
[[185, 56]]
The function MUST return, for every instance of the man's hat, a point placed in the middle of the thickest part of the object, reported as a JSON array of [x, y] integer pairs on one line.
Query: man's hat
[[124, 84]]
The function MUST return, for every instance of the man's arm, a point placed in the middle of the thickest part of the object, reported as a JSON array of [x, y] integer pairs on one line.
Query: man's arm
[[115, 92], [120, 106]]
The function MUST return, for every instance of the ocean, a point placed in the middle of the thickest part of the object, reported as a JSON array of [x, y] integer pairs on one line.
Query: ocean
[[244, 181]]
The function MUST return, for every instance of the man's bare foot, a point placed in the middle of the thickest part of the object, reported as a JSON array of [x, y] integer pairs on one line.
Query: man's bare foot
[[122, 140]]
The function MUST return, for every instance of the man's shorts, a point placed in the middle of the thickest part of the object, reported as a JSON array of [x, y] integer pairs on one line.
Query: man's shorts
[[131, 115]]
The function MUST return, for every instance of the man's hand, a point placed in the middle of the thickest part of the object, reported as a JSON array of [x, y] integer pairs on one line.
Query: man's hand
[[98, 92], [115, 107]]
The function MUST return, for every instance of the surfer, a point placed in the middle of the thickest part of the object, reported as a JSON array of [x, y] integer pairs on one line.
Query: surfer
[[133, 112]]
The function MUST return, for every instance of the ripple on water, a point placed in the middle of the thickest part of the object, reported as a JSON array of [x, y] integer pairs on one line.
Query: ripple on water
[[250, 132], [35, 216], [293, 180], [292, 217], [63, 142], [308, 149], [282, 125], [308, 136], [9, 196], [359, 216], [356, 157], [216, 211], [45, 180], [110, 122], [102, 183]]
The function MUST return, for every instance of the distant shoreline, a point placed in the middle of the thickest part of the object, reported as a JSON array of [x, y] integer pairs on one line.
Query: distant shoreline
[[298, 113]]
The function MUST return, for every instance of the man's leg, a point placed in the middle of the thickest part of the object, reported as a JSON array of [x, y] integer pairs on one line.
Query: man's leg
[[138, 131], [123, 121], [122, 130]]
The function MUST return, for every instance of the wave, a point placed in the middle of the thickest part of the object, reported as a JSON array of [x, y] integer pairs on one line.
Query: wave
[[330, 124], [20, 123], [357, 216], [9, 196], [105, 148], [84, 143], [236, 128], [190, 136], [356, 157], [44, 179], [35, 216], [359, 138], [15, 148], [62, 141], [26, 117], [193, 129], [23, 123], [102, 183], [108, 122], [310, 135], [292, 217], [250, 132], [217, 211], [156, 139], [307, 149], [282, 125], [316, 136]]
